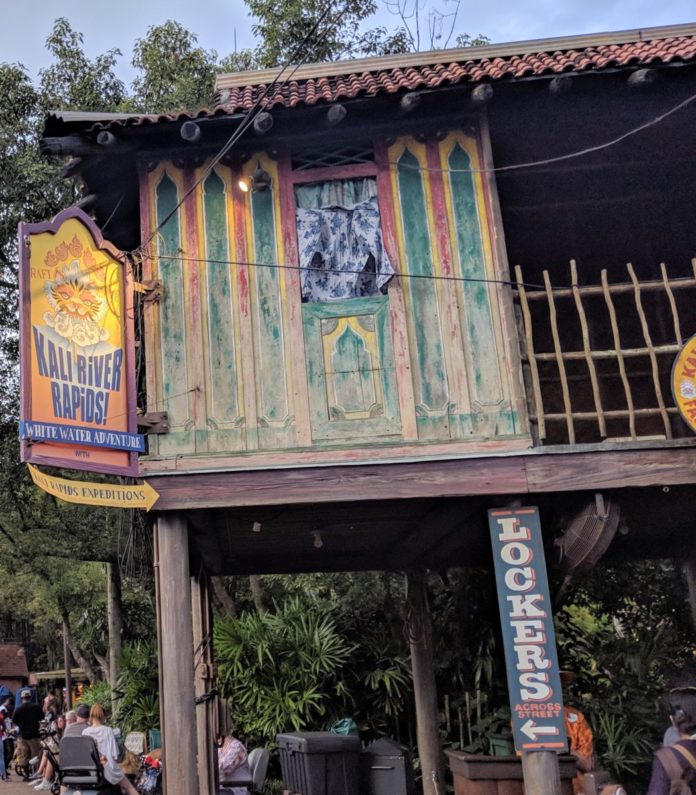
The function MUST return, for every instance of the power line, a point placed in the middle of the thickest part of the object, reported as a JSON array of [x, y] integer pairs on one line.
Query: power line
[[246, 123], [400, 274], [559, 158]]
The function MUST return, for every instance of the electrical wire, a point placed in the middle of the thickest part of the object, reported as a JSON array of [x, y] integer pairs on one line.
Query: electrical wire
[[245, 124], [559, 158], [400, 274]]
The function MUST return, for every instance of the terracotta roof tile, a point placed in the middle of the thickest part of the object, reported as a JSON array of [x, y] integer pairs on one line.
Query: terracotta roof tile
[[388, 76], [348, 86]]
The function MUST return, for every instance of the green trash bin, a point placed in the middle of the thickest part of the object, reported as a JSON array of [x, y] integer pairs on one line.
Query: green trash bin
[[154, 739]]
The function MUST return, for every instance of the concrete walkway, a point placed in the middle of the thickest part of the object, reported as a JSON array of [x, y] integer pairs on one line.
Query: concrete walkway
[[15, 787]]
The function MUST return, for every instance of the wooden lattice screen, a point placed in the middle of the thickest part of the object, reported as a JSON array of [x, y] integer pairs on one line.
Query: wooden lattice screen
[[598, 357]]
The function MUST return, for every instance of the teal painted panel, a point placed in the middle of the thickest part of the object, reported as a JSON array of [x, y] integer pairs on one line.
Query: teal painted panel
[[224, 420], [430, 373], [477, 308], [356, 379], [172, 311], [269, 348]]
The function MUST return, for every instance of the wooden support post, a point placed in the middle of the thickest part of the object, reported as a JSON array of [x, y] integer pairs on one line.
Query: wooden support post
[[690, 572], [203, 683], [177, 714], [115, 620], [541, 773], [68, 669], [420, 635]]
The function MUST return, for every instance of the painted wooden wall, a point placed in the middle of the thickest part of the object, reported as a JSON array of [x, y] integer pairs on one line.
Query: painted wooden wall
[[243, 367]]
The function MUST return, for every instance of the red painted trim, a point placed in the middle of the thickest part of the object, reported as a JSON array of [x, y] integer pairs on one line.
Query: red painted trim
[[439, 205], [387, 202], [27, 449], [240, 243], [192, 291], [288, 211], [332, 172]]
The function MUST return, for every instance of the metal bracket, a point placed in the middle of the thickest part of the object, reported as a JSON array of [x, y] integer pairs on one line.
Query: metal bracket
[[152, 291], [154, 422]]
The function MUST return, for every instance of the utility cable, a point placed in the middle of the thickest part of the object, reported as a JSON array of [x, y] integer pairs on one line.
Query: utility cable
[[245, 124]]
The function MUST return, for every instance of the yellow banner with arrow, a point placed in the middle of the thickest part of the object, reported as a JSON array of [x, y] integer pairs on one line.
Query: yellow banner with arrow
[[110, 495]]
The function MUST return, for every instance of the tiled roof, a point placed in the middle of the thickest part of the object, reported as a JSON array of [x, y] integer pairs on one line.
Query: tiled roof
[[371, 76], [342, 80], [13, 661]]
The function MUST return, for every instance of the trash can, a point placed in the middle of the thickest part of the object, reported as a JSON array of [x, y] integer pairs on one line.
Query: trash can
[[320, 763], [385, 769]]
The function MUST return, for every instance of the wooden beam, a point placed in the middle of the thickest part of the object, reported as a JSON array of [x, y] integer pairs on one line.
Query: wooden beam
[[419, 629], [203, 683], [335, 114], [178, 717], [593, 468]]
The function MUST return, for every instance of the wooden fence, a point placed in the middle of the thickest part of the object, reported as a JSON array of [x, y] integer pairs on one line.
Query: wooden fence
[[598, 358]]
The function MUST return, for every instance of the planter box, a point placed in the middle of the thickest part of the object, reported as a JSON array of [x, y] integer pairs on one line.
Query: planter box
[[498, 775]]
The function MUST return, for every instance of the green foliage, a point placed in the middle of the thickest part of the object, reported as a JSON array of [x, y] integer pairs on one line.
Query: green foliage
[[282, 27], [175, 73], [624, 633], [137, 689], [99, 693], [279, 670], [73, 81]]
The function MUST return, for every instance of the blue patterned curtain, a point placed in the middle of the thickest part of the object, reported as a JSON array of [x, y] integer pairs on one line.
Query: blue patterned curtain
[[340, 240]]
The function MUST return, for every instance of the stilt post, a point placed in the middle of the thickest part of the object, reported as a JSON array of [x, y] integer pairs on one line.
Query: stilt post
[[420, 635], [178, 717]]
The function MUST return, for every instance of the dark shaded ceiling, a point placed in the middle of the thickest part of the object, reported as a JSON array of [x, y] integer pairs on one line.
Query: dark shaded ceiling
[[633, 201], [438, 534]]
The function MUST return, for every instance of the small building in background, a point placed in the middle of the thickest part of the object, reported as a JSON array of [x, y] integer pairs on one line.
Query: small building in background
[[14, 672]]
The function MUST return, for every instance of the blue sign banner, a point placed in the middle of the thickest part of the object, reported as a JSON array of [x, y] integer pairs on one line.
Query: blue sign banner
[[531, 660], [77, 435]]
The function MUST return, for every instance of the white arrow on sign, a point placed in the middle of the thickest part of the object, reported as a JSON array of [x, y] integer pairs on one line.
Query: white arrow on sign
[[534, 732]]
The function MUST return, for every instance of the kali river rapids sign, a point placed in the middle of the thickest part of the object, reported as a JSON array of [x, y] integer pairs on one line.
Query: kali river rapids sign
[[684, 382], [530, 645], [77, 373]]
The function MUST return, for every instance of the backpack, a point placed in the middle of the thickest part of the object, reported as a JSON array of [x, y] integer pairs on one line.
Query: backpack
[[683, 782]]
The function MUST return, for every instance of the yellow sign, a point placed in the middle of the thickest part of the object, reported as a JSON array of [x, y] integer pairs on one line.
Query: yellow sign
[[108, 495], [684, 382], [77, 374]]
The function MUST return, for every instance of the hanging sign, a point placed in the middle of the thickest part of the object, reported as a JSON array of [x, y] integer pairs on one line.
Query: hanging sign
[[533, 677], [109, 495], [684, 382], [76, 341]]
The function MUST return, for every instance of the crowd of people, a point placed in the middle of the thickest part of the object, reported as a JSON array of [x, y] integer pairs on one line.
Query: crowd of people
[[32, 732]]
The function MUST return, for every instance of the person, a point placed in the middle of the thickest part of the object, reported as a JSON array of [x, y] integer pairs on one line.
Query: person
[[580, 737], [75, 727], [233, 766], [55, 726], [677, 763], [27, 718], [108, 749]]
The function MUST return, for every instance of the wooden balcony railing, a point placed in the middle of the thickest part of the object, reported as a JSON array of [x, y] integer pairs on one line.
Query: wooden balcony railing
[[598, 358]]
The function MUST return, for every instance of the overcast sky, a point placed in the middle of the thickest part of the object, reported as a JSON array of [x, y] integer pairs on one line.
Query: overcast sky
[[25, 24]]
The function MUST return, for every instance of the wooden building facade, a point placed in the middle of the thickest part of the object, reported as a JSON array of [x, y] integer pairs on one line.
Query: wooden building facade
[[495, 348]]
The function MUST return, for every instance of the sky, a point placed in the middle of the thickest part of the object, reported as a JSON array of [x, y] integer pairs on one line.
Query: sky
[[25, 24]]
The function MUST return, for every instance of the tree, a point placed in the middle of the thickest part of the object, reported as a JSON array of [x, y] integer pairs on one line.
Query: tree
[[283, 29], [175, 73], [73, 81]]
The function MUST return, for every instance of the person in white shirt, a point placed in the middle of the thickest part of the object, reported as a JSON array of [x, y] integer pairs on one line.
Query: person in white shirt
[[104, 737]]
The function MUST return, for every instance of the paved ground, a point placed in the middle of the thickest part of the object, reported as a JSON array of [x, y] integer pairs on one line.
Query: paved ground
[[14, 787]]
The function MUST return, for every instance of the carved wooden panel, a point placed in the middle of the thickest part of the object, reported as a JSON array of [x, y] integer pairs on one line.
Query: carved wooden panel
[[350, 369]]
